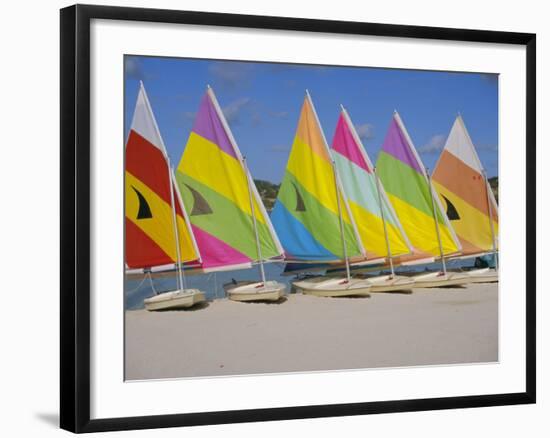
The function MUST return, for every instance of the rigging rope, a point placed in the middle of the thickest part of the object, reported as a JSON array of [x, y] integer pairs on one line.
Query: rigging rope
[[139, 285], [152, 285]]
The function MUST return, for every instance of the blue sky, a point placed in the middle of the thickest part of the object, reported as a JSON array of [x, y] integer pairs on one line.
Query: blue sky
[[262, 101]]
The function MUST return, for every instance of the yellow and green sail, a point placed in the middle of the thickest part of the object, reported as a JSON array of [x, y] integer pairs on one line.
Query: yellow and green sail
[[369, 207], [214, 185], [306, 215], [405, 181]]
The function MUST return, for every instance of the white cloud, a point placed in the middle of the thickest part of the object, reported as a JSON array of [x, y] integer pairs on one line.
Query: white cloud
[[436, 143], [134, 69], [233, 111], [365, 131], [230, 75]]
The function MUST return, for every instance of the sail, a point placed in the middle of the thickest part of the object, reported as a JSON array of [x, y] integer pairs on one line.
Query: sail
[[150, 235], [306, 213], [460, 181], [405, 181], [214, 185], [360, 185]]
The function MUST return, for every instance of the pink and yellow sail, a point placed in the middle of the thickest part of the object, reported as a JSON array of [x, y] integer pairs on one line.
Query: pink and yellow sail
[[214, 184], [461, 183], [367, 198]]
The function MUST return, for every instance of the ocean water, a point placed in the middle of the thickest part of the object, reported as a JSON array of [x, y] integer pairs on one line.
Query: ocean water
[[211, 284], [135, 291]]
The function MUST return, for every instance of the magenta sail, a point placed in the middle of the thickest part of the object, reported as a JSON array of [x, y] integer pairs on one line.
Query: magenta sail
[[345, 144], [219, 253]]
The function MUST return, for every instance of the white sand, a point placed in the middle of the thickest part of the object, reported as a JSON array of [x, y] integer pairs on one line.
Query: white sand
[[430, 326]]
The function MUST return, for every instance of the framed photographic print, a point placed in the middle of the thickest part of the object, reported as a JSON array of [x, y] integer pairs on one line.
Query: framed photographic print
[[270, 218]]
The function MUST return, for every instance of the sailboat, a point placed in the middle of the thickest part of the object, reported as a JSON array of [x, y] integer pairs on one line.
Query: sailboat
[[157, 232], [462, 185], [228, 218], [311, 214], [379, 228], [418, 208]]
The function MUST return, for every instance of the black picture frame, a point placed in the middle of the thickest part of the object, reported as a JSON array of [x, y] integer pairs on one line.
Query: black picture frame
[[75, 217]]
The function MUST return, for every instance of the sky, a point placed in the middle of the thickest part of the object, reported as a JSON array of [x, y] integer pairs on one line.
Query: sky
[[262, 102]]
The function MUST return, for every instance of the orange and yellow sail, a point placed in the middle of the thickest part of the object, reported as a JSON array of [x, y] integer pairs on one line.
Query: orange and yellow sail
[[461, 184], [311, 215], [150, 232]]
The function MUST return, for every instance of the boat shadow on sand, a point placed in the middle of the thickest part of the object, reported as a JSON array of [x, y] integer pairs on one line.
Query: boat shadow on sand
[[394, 292], [448, 287], [350, 297], [281, 300], [198, 306]]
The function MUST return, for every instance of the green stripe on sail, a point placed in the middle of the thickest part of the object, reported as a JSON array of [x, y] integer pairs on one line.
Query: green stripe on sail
[[221, 218], [406, 183], [322, 224]]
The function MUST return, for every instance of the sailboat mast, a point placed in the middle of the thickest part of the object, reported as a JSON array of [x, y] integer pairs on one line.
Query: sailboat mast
[[182, 283], [436, 221], [254, 223], [490, 208], [341, 220], [388, 247]]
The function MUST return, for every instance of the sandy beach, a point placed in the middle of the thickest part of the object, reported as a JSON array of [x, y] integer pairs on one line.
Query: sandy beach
[[304, 333]]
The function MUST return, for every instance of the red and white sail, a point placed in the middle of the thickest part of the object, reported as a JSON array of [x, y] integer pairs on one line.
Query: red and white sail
[[156, 224]]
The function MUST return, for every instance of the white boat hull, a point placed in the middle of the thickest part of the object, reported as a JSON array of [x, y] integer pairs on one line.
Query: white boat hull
[[438, 279], [255, 291], [179, 299], [333, 287], [484, 275], [387, 283]]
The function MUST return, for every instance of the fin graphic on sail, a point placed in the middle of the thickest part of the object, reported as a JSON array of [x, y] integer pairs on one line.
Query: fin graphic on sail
[[200, 205], [300, 206], [144, 211], [452, 214]]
